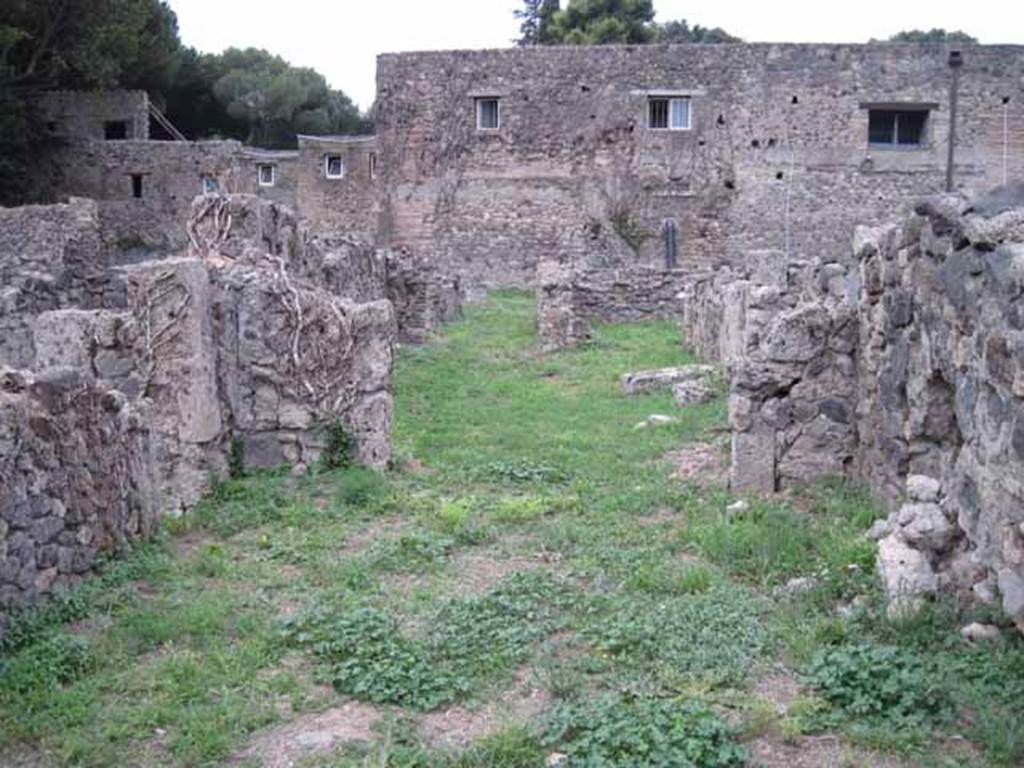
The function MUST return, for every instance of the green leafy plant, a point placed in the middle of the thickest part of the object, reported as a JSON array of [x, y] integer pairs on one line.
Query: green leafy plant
[[236, 457], [642, 731], [524, 471], [878, 685], [340, 448], [56, 660], [711, 636]]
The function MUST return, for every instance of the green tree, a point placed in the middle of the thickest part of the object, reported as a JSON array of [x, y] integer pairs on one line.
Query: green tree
[[536, 17], [681, 32], [936, 35], [601, 22], [275, 100]]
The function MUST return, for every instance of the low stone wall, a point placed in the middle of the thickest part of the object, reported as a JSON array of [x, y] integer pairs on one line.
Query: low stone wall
[[569, 296], [941, 384], [906, 372], [62, 501], [422, 296], [51, 256], [253, 341]]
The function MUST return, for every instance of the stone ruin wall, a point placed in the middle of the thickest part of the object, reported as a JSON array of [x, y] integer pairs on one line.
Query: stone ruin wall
[[905, 371], [78, 115], [63, 501], [254, 337], [776, 128]]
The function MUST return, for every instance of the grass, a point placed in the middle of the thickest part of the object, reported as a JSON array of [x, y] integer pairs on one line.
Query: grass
[[528, 536]]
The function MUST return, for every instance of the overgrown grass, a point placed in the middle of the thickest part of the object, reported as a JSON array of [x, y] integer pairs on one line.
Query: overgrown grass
[[647, 604]]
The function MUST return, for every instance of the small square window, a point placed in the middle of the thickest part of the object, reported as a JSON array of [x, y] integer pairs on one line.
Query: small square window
[[896, 128], [334, 167], [266, 175], [372, 162], [488, 114], [115, 130], [671, 114], [210, 186]]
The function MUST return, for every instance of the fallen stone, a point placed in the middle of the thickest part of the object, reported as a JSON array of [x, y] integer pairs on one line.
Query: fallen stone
[[557, 760], [655, 420], [799, 585], [922, 488], [642, 382], [738, 507], [692, 392], [980, 633], [907, 575]]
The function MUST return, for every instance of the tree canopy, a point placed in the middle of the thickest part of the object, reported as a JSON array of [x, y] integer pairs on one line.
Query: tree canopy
[[936, 35], [600, 22]]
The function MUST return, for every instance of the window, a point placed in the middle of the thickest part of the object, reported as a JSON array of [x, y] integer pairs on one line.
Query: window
[[210, 186], [136, 185], [266, 175], [334, 168], [372, 161], [115, 130], [896, 128], [488, 114], [671, 114]]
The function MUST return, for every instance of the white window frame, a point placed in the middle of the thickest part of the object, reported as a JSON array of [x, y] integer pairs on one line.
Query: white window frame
[[479, 101], [670, 101], [273, 174], [210, 185], [371, 163], [327, 167]]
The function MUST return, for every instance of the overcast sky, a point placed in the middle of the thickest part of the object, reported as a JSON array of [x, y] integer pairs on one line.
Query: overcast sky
[[341, 38]]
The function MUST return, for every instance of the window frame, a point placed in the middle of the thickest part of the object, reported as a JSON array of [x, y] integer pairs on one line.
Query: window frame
[[669, 100], [478, 102], [898, 110], [371, 164], [209, 185], [327, 166], [273, 175]]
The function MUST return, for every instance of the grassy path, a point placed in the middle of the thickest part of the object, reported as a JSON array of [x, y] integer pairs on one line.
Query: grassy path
[[533, 579]]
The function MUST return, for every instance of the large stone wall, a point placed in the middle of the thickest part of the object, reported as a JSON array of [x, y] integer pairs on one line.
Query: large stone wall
[[777, 131], [62, 501], [338, 205]]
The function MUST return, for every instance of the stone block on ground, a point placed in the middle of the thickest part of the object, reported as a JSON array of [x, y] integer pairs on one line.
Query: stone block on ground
[[642, 382]]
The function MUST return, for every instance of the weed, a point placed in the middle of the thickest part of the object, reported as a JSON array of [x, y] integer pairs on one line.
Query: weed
[[57, 660], [525, 471], [712, 636], [339, 449], [878, 685], [236, 457], [643, 731]]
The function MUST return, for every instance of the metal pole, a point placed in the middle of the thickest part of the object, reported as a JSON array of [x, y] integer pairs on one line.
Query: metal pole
[[956, 61], [1006, 138]]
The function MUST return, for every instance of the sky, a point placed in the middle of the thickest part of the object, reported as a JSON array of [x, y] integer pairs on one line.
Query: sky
[[341, 38]]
